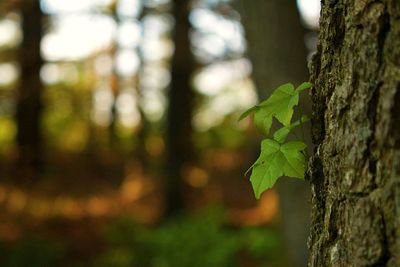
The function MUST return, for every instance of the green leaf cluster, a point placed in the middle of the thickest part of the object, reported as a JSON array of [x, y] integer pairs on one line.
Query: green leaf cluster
[[278, 158]]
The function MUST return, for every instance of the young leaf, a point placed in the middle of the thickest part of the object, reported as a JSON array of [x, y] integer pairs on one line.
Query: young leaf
[[248, 112], [264, 175], [274, 161], [281, 103], [304, 86], [266, 169], [263, 119], [282, 133], [295, 160]]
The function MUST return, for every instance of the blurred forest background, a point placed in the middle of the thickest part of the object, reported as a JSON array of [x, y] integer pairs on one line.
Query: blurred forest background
[[119, 139]]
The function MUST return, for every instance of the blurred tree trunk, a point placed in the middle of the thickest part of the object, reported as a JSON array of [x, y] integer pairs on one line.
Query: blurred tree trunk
[[276, 48], [144, 129], [275, 43], [29, 106], [115, 87], [180, 108], [112, 128], [355, 170]]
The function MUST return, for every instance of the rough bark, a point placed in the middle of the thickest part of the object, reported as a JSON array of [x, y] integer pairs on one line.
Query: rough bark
[[29, 104], [277, 51], [179, 120], [355, 170]]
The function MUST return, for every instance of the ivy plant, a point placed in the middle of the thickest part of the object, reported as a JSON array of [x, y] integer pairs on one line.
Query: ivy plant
[[278, 157]]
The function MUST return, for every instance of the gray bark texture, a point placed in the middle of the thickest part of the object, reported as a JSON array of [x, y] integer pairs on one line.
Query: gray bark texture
[[355, 170]]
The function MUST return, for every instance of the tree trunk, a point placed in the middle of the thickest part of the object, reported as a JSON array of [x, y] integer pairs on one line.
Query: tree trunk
[[276, 48], [355, 170], [179, 128], [29, 105], [275, 43]]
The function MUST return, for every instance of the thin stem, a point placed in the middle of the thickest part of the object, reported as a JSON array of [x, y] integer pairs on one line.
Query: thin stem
[[301, 124]]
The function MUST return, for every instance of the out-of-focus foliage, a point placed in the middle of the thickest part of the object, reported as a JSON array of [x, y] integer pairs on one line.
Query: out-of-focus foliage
[[7, 133], [32, 252], [197, 241]]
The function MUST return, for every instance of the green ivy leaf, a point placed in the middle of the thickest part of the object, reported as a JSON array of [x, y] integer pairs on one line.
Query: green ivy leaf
[[248, 112], [295, 159], [275, 161], [282, 133], [265, 170], [263, 119], [282, 102], [280, 105]]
